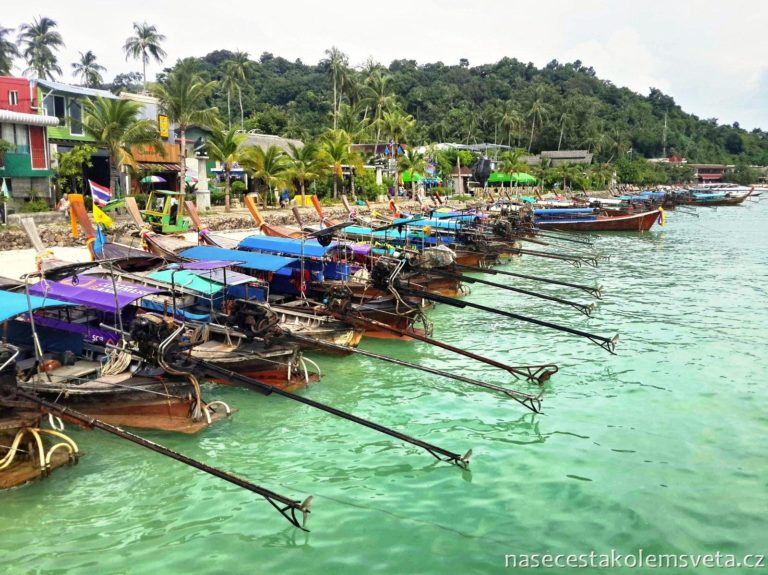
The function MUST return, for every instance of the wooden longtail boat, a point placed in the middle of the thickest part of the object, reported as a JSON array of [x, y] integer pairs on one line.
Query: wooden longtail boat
[[28, 450], [641, 222], [68, 363]]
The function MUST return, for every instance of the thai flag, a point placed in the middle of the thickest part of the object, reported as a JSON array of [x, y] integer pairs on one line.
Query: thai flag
[[100, 194]]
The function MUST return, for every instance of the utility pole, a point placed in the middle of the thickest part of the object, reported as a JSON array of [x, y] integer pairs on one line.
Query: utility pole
[[664, 137]]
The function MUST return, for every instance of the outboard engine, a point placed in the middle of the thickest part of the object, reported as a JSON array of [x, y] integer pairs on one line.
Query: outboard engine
[[148, 331]]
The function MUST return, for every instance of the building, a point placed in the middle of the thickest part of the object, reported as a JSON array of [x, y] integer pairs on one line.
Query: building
[[710, 172], [66, 103], [560, 157], [26, 164]]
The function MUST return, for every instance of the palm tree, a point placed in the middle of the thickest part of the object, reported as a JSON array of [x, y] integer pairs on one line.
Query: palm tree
[[380, 96], [8, 51], [538, 111], [412, 162], [510, 120], [397, 125], [88, 70], [565, 120], [183, 99], [226, 147], [335, 151], [511, 163], [235, 70], [306, 166], [40, 39], [271, 166], [116, 126], [337, 64], [543, 171], [144, 44], [350, 121]]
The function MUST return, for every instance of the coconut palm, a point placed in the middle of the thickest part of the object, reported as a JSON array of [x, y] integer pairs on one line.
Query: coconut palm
[[337, 64], [538, 111], [116, 126], [336, 152], [183, 99], [511, 120], [306, 165], [412, 162], [226, 148], [350, 121], [566, 119], [235, 70], [271, 166], [39, 40], [396, 125], [380, 97], [8, 51], [145, 44], [511, 163], [88, 69]]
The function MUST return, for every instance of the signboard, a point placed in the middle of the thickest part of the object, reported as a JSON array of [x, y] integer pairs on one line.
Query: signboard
[[162, 126]]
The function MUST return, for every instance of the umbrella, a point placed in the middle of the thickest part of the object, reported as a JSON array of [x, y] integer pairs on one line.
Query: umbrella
[[152, 179], [191, 179]]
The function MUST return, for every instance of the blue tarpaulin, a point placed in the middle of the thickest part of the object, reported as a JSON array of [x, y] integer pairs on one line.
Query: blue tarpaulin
[[287, 246], [13, 304], [251, 260]]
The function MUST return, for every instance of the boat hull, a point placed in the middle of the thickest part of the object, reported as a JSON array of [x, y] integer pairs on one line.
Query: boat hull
[[641, 222]]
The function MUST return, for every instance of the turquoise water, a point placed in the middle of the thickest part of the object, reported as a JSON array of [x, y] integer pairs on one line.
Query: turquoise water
[[661, 447]]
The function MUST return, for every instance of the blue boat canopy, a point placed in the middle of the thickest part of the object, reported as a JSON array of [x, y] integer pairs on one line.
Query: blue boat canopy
[[251, 260], [288, 246], [563, 211], [13, 304]]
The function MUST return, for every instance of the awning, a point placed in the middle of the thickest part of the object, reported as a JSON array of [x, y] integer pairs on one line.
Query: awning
[[159, 166], [9, 117], [286, 246], [251, 260], [95, 293], [13, 304]]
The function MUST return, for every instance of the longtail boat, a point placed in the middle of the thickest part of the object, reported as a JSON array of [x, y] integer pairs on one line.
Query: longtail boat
[[585, 222]]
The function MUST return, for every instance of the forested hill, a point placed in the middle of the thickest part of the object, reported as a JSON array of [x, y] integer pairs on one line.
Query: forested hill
[[510, 102]]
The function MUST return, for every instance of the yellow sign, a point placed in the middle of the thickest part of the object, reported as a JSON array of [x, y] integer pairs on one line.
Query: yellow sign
[[162, 125]]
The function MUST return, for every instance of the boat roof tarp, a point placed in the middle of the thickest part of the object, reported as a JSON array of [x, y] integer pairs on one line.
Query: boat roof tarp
[[205, 265], [93, 292], [289, 246], [251, 260], [13, 304], [205, 282]]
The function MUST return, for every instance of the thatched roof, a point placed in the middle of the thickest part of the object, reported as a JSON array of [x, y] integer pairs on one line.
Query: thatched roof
[[266, 140]]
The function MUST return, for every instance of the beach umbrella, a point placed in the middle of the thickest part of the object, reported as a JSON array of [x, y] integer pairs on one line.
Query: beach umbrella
[[417, 177], [498, 177], [191, 180], [152, 179]]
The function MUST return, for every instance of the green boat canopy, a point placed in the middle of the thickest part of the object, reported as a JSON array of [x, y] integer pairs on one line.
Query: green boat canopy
[[516, 177]]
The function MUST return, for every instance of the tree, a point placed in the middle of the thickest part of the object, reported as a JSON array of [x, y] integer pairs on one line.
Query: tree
[[412, 162], [116, 126], [183, 99], [538, 111], [71, 167], [335, 151], [380, 96], [143, 45], [511, 163], [88, 70], [306, 166], [511, 120], [270, 166], [565, 120], [337, 65], [234, 75], [226, 147], [8, 51], [39, 40]]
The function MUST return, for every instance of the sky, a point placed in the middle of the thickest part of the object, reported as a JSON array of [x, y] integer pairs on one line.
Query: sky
[[710, 56]]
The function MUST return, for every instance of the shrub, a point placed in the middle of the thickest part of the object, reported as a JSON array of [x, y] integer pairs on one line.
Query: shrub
[[33, 206], [238, 187]]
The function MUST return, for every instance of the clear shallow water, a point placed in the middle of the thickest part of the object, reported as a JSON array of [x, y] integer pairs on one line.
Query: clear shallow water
[[661, 447]]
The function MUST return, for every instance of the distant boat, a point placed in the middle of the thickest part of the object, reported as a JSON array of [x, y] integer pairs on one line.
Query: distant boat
[[585, 222]]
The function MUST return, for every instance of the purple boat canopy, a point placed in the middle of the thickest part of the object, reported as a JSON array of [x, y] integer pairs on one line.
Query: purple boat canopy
[[95, 293]]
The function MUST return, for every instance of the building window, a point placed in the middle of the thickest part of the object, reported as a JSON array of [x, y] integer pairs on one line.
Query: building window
[[13, 97], [75, 117], [54, 106]]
